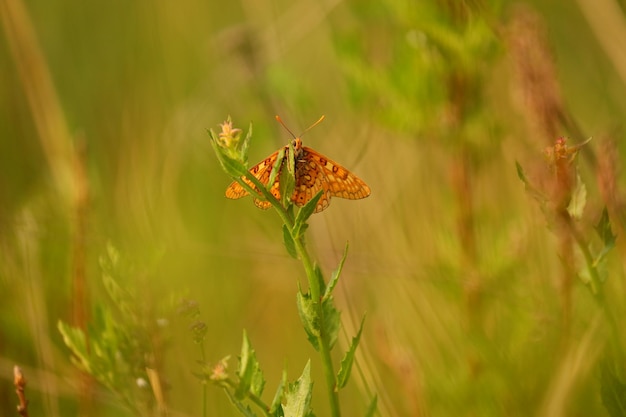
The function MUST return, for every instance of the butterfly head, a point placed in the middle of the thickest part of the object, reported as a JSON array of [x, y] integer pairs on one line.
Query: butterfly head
[[297, 144]]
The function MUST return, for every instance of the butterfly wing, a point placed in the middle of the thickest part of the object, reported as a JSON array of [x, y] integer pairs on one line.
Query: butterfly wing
[[262, 172], [275, 190], [316, 172]]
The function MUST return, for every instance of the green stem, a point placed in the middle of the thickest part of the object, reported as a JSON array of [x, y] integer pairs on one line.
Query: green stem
[[323, 341], [229, 383], [596, 284], [204, 387]]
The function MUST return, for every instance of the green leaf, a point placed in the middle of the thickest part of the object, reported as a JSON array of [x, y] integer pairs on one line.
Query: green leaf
[[298, 395], [74, 339], [371, 410], [245, 145], [346, 363], [320, 277], [250, 375], [305, 212], [231, 166], [302, 229], [112, 351], [332, 320], [603, 228], [309, 317], [520, 172], [334, 277], [530, 189], [276, 406], [111, 269], [276, 168], [109, 350], [612, 390], [288, 178], [289, 243]]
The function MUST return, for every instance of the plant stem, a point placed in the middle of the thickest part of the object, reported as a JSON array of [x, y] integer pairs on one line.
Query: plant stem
[[323, 341], [229, 383], [596, 284], [204, 385]]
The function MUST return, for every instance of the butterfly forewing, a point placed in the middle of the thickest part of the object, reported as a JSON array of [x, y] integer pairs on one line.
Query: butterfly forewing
[[262, 172], [315, 172]]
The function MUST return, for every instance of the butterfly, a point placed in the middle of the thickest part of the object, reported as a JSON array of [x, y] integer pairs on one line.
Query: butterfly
[[313, 173]]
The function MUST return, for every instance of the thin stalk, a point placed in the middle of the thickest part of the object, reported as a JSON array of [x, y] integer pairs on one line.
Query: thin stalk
[[229, 383], [596, 283], [204, 385], [323, 342]]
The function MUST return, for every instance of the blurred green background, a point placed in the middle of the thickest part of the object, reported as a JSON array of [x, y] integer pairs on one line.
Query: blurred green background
[[474, 301]]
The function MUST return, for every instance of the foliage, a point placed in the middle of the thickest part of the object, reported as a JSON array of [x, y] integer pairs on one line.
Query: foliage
[[486, 293], [117, 353]]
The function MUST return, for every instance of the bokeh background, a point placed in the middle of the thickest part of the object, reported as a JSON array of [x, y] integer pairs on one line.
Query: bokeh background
[[476, 298]]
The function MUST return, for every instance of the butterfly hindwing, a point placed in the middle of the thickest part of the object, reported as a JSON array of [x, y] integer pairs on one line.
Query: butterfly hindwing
[[275, 190]]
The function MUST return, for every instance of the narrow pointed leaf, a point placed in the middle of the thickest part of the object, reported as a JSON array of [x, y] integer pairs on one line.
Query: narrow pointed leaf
[[319, 275], [75, 340], [276, 406], [276, 168], [520, 172], [231, 166], [245, 145], [250, 376], [291, 161], [309, 317], [289, 243], [332, 320], [603, 229], [346, 363], [305, 212], [334, 277], [530, 189], [302, 229], [288, 178], [298, 395]]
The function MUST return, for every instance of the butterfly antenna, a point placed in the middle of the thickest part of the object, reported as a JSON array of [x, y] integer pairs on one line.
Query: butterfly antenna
[[306, 130], [285, 126], [313, 125]]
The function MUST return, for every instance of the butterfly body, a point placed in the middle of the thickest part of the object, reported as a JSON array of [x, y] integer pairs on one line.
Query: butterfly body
[[313, 173]]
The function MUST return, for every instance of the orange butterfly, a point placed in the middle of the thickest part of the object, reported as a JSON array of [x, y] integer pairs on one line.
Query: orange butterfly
[[313, 172]]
